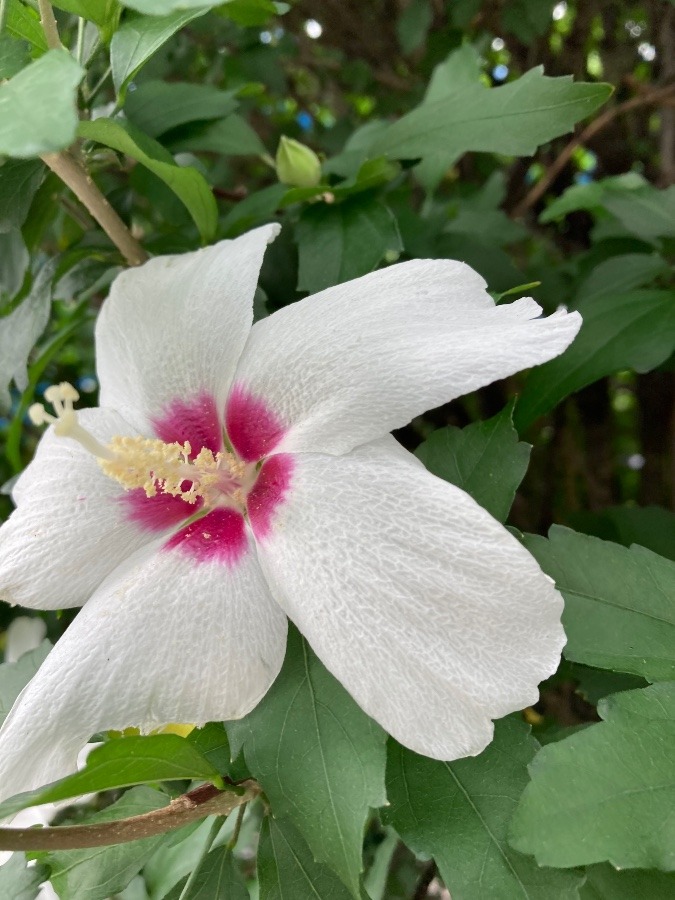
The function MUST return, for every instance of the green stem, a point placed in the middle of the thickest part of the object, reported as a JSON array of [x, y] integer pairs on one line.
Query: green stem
[[232, 843], [4, 9], [49, 25], [79, 46], [210, 838]]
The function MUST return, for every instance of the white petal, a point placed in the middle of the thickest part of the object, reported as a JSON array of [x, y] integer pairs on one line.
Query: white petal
[[429, 612], [357, 360], [70, 529], [164, 640], [175, 327]]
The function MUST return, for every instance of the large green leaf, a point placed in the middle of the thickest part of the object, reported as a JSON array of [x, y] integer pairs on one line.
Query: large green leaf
[[217, 878], [651, 526], [186, 182], [459, 812], [23, 22], [635, 330], [606, 793], [139, 38], [105, 13], [14, 56], [17, 881], [157, 106], [620, 274], [485, 459], [101, 872], [318, 757], [231, 136], [514, 119], [123, 762], [342, 241], [619, 603], [37, 107], [287, 869]]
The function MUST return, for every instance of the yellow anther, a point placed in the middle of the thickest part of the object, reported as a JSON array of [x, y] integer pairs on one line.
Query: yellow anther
[[39, 415]]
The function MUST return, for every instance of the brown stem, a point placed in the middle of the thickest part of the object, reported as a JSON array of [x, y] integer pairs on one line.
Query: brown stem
[[654, 97], [73, 174], [49, 25], [203, 801]]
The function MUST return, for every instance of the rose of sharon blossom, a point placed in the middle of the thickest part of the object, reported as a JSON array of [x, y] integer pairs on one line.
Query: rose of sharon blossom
[[234, 476]]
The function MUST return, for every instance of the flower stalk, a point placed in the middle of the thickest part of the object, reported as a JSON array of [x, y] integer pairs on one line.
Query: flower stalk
[[204, 801]]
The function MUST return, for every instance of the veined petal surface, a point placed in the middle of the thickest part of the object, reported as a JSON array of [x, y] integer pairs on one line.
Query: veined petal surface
[[353, 362], [71, 527], [175, 326], [429, 612], [164, 639]]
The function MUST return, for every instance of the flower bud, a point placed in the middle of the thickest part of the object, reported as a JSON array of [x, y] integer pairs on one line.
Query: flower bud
[[296, 164]]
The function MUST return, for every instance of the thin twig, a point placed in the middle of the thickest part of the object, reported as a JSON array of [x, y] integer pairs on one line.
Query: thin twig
[[73, 174], [203, 801], [49, 25], [232, 843], [655, 97]]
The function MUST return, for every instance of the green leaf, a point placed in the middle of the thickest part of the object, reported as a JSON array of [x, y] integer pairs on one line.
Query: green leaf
[[37, 107], [162, 7], [249, 13], [14, 56], [620, 274], [527, 19], [20, 330], [651, 526], [15, 676], [342, 241], [19, 180], [231, 136], [100, 872], [138, 38], [619, 603], [605, 883], [104, 13], [217, 879], [186, 182], [635, 330], [157, 106], [17, 881], [23, 22], [212, 743], [318, 757], [286, 867], [413, 25], [255, 209], [459, 812], [606, 793], [485, 459], [513, 119], [122, 762]]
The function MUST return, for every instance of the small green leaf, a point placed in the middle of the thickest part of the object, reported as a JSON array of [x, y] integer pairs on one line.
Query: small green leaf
[[217, 879], [513, 119], [231, 136], [17, 881], [139, 38], [162, 7], [342, 241], [122, 762], [605, 883], [100, 872], [459, 813], [606, 793], [19, 180], [318, 757], [23, 22], [619, 603], [485, 459], [212, 743], [14, 56], [287, 868], [157, 106], [620, 274], [185, 181], [249, 13], [15, 676], [104, 13], [37, 107], [635, 330]]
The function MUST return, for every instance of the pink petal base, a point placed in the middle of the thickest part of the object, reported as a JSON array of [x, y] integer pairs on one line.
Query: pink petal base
[[193, 420], [252, 427], [157, 513], [219, 537], [269, 491]]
